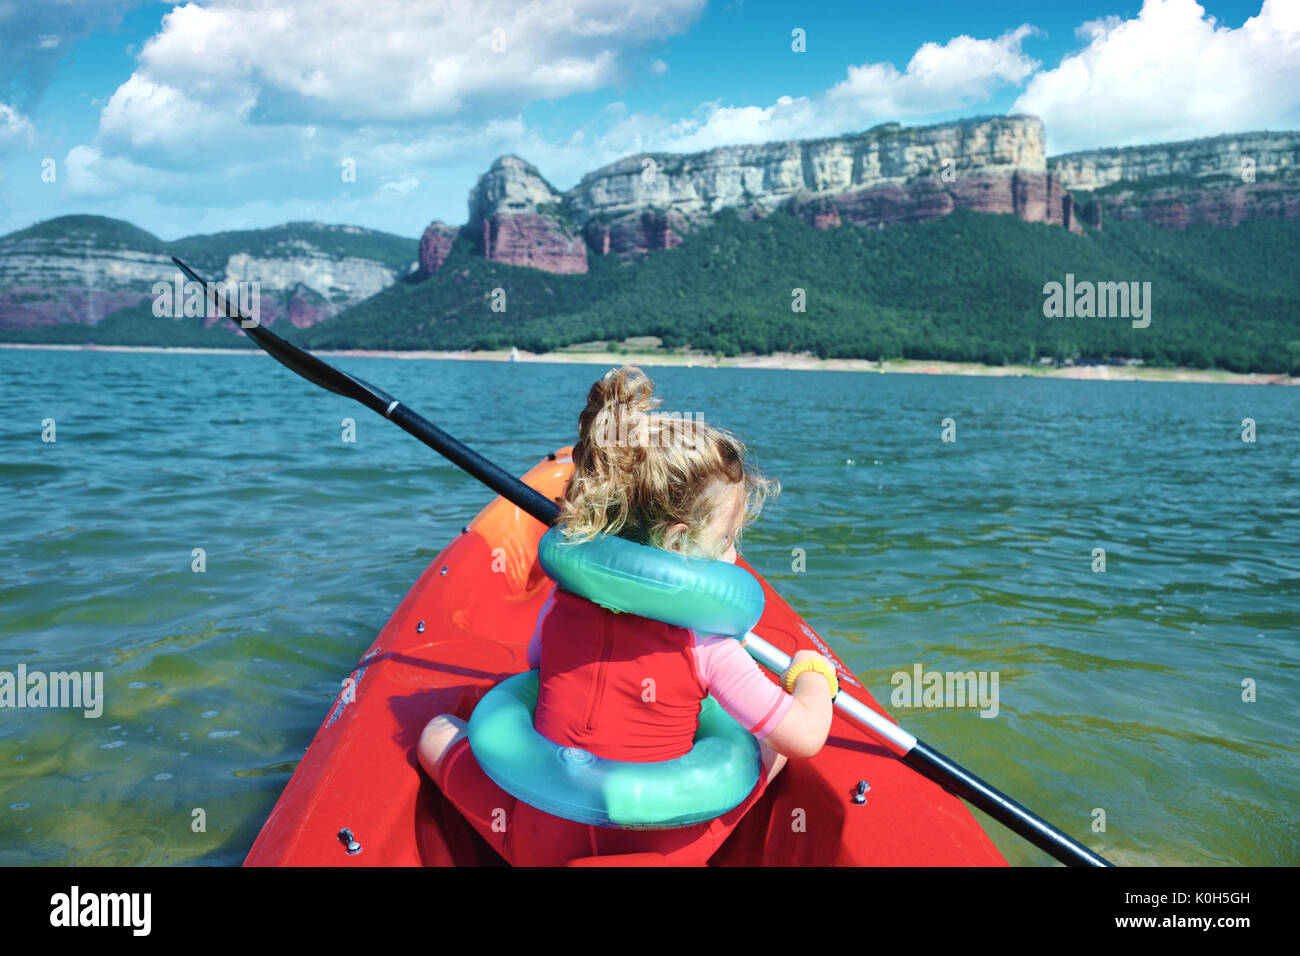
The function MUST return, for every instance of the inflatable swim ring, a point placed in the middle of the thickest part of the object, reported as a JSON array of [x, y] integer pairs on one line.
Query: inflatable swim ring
[[716, 774], [722, 766]]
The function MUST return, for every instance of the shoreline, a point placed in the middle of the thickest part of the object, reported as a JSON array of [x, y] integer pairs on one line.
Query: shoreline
[[785, 361]]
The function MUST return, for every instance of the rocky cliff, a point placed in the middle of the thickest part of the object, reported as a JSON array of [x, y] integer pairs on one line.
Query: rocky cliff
[[82, 268], [882, 177], [1219, 181], [846, 169], [885, 176], [78, 269], [516, 216]]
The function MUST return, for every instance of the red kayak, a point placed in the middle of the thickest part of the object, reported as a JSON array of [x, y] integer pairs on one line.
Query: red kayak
[[359, 798]]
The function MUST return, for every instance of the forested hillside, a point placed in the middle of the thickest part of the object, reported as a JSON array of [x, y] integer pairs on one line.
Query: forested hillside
[[968, 287]]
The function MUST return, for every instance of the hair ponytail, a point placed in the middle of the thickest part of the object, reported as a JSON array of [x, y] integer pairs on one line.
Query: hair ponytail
[[637, 471]]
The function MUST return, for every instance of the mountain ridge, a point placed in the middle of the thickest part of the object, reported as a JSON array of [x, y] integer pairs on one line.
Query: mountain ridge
[[88, 278], [82, 268]]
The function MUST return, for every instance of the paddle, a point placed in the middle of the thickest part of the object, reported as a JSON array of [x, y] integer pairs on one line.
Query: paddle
[[377, 400], [911, 751]]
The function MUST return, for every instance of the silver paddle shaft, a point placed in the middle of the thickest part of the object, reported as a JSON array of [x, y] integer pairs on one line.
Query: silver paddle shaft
[[952, 776], [898, 740]]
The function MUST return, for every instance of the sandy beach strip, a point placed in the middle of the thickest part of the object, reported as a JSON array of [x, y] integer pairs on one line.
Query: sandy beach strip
[[786, 361]]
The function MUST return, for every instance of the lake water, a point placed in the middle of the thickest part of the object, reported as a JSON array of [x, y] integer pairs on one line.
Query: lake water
[[1120, 691]]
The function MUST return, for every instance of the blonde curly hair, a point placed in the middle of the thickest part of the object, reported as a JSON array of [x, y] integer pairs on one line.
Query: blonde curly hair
[[639, 472]]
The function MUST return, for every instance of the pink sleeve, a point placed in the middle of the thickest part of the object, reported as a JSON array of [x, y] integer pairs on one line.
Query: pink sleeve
[[738, 683], [535, 643]]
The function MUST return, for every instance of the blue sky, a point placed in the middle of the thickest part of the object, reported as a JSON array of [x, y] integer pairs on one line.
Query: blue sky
[[201, 117]]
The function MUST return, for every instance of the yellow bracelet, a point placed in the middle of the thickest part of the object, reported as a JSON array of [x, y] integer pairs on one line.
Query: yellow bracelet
[[818, 664]]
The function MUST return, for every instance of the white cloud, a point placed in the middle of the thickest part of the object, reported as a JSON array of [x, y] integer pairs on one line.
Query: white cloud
[[88, 172], [1171, 73], [270, 94], [402, 186], [82, 175], [938, 78], [164, 124], [1091, 29], [15, 128], [166, 115], [341, 62], [243, 78], [153, 117]]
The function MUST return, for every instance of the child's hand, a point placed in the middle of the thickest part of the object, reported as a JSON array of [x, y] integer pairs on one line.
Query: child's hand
[[803, 730]]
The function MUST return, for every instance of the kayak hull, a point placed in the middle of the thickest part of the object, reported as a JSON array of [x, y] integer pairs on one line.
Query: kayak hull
[[463, 627]]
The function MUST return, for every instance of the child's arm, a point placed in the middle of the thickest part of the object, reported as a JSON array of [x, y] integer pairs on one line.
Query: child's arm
[[794, 725], [805, 727]]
